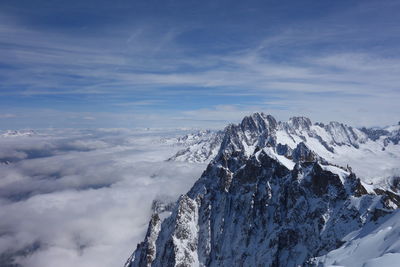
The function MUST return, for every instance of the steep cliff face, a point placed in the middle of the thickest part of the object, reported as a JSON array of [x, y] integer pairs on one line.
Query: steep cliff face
[[263, 204]]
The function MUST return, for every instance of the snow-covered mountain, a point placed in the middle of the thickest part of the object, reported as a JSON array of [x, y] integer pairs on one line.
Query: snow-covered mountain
[[276, 194], [15, 133], [200, 146], [337, 143]]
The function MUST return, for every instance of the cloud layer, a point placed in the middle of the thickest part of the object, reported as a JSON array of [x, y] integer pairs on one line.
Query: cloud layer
[[82, 198]]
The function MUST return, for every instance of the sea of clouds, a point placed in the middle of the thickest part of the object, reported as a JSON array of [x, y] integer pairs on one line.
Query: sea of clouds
[[83, 197]]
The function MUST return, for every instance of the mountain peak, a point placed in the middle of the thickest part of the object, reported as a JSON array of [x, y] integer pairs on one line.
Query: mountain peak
[[300, 123], [258, 122]]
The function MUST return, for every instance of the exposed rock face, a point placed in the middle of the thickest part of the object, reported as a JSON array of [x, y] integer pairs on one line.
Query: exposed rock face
[[303, 154], [146, 251], [284, 150], [259, 203], [389, 134], [374, 134]]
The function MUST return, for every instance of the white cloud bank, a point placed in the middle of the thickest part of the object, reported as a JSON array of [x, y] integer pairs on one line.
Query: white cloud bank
[[82, 198]]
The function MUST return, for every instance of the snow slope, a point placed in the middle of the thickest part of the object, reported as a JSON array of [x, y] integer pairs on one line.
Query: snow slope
[[374, 245]]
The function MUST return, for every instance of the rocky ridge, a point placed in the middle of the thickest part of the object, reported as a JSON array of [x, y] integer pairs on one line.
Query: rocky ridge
[[264, 202], [290, 133], [337, 143]]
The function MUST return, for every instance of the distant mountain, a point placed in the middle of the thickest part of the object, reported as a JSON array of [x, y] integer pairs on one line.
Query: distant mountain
[[275, 195], [388, 135], [200, 146], [15, 133]]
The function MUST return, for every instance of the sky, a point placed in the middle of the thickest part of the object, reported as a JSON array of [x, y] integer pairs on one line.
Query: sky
[[165, 64]]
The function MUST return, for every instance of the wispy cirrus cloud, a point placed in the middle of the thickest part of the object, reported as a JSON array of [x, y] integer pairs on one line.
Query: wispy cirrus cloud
[[161, 65]]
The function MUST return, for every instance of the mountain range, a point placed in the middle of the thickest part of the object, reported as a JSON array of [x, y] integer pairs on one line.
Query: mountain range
[[16, 133], [282, 194]]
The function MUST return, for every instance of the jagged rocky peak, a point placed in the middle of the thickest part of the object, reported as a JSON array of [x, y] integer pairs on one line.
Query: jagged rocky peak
[[261, 214], [256, 130], [300, 123], [145, 252], [161, 205], [259, 130], [258, 122]]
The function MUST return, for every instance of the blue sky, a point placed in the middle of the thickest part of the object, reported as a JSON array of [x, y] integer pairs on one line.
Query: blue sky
[[197, 63]]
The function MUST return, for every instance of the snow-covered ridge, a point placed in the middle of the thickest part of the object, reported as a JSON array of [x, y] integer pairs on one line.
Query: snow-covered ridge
[[272, 196], [15, 133], [387, 135], [335, 142], [199, 146]]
